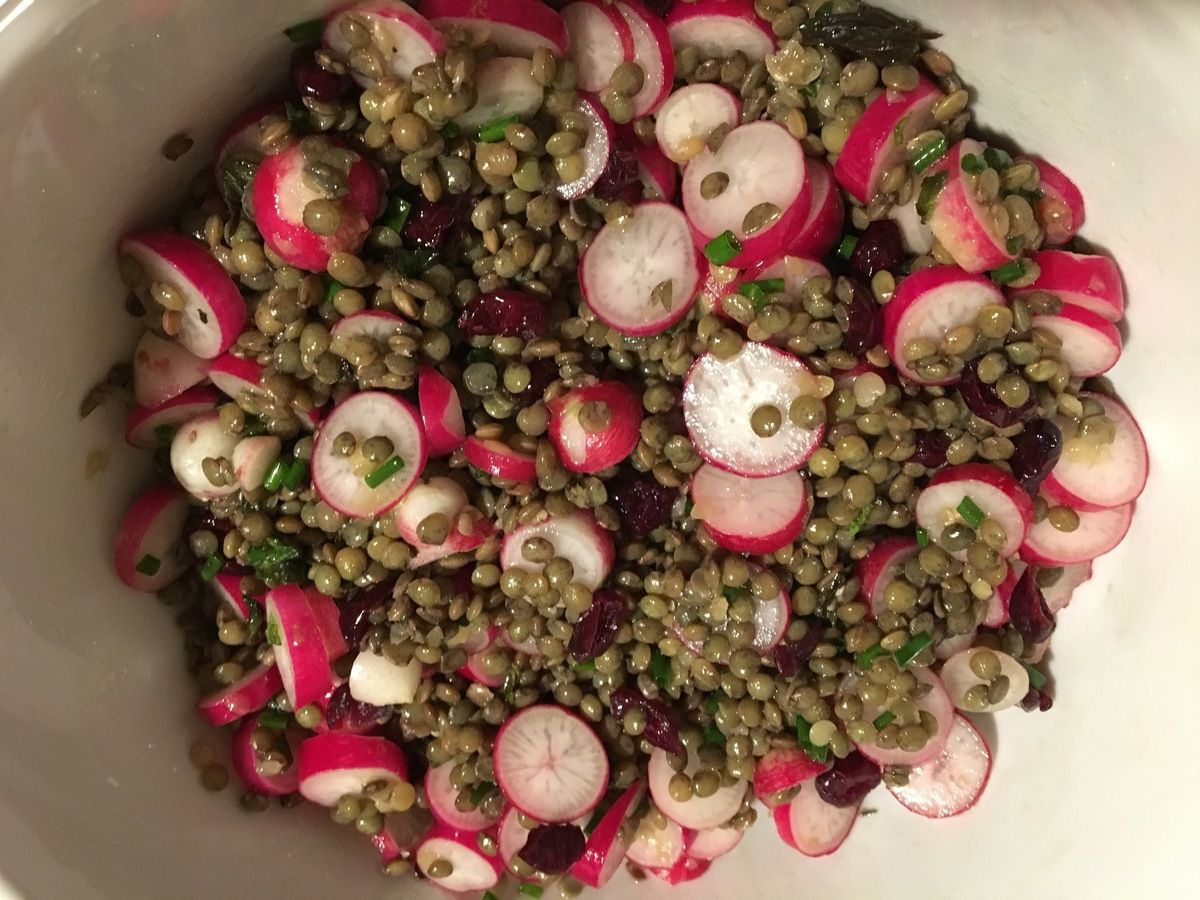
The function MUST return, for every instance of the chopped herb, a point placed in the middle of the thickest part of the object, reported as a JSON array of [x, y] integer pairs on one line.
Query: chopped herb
[[296, 474], [332, 290], [972, 164], [1032, 196], [236, 175], [898, 131], [971, 512], [868, 656], [732, 593], [163, 434], [254, 426], [274, 719], [711, 702], [494, 131], [480, 791], [997, 158], [296, 114], [820, 754], [929, 154], [846, 248], [859, 521], [384, 472], [1014, 244], [530, 890], [149, 565], [660, 668], [274, 635], [488, 895], [211, 567], [305, 32], [883, 720], [586, 668], [723, 248], [477, 473], [511, 679], [1036, 679], [415, 263], [396, 214], [811, 90], [275, 475], [922, 538], [254, 617], [1009, 273], [770, 285], [713, 734], [450, 131], [930, 188], [882, 37], [913, 647], [271, 559]]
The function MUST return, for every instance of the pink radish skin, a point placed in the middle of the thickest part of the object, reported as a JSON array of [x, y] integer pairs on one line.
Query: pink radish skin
[[577, 537], [468, 527], [596, 150], [333, 765], [1091, 345], [252, 457], [504, 86], [473, 870], [1098, 533], [952, 782], [699, 812], [412, 39], [280, 195], [516, 27], [441, 795], [811, 825], [202, 438], [958, 678], [143, 424], [376, 680], [214, 312], [959, 221], [372, 323], [872, 148], [235, 375], [500, 460], [474, 669], [601, 40], [936, 702], [301, 655], [882, 565], [1088, 478], [655, 847], [711, 843], [550, 764], [690, 115], [247, 761], [618, 277], [1060, 211], [250, 693], [721, 28], [607, 844], [750, 515], [845, 379], [582, 450], [822, 226], [659, 176], [782, 769], [993, 491], [164, 369], [228, 588], [997, 610], [929, 303], [652, 50], [241, 138], [329, 625], [794, 270], [441, 412], [1093, 282], [152, 527], [720, 396], [687, 869], [1058, 595]]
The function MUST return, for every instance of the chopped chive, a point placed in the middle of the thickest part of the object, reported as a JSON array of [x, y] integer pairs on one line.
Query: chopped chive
[[480, 791], [305, 32], [769, 285], [488, 895], [758, 297], [296, 474], [296, 113], [274, 719], [930, 154], [1036, 679], [1014, 244], [922, 538], [274, 635], [149, 565], [586, 668], [997, 158], [1032, 196], [530, 890], [972, 164], [494, 131], [163, 434], [723, 248], [859, 521], [846, 248], [660, 668], [712, 702], [396, 214], [898, 131], [868, 656], [883, 720], [450, 131], [1009, 273], [332, 290], [930, 188], [713, 734], [971, 512], [803, 729], [275, 475], [913, 647], [384, 472], [811, 89], [731, 593], [211, 567]]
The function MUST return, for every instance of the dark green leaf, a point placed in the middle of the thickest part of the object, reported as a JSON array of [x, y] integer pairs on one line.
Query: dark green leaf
[[913, 647], [997, 158], [972, 164], [1036, 679], [859, 521], [236, 176], [305, 32], [930, 188], [274, 634], [880, 36], [846, 248], [660, 668], [274, 719], [396, 214]]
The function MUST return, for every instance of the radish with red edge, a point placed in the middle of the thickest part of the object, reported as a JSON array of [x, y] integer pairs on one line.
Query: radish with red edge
[[951, 644], [334, 765], [641, 276], [595, 426], [164, 369], [252, 767], [354, 485], [228, 589], [1080, 279], [329, 625], [658, 175], [692, 113], [992, 491], [750, 515], [549, 763], [281, 194], [294, 632], [711, 843], [657, 846], [504, 87], [783, 769], [794, 270], [1058, 593], [847, 378], [577, 537], [213, 312], [878, 139], [997, 609], [235, 375], [882, 565], [441, 412], [596, 149], [958, 679], [516, 27], [204, 437], [652, 50], [915, 233], [721, 396], [1092, 475], [764, 165], [1060, 210], [155, 426], [468, 527], [721, 28], [406, 38], [475, 670], [1097, 534], [965, 226], [811, 825], [927, 304], [687, 869], [822, 227], [248, 694], [1091, 345], [242, 139], [698, 812], [937, 703], [771, 618], [609, 840], [952, 782], [511, 836], [601, 40], [443, 796], [498, 459], [470, 868], [149, 553], [252, 457], [371, 323]]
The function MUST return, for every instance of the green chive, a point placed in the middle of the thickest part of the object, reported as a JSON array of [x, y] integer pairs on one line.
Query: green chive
[[274, 635], [883, 720], [732, 593], [913, 647], [450, 131], [296, 113], [930, 188], [713, 734], [396, 214], [971, 512], [1009, 273], [997, 158], [211, 567], [1014, 244], [494, 131], [530, 890], [930, 154], [163, 434], [723, 248], [769, 285], [868, 656], [384, 472], [972, 164], [1036, 679], [846, 248], [660, 668], [332, 290], [305, 32], [488, 895], [803, 728], [275, 475], [586, 668], [922, 538], [859, 521], [273, 719], [758, 297], [712, 702], [480, 791], [149, 565], [254, 426], [296, 473], [898, 131], [811, 89]]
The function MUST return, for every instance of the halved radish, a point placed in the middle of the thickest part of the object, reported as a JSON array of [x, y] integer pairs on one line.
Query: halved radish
[[443, 796], [241, 140], [750, 515], [658, 175], [783, 769], [1081, 279], [549, 763], [252, 457], [213, 310], [164, 369], [764, 164], [155, 426], [710, 843], [952, 782], [204, 437], [150, 552], [915, 233], [335, 764], [504, 86], [511, 836], [1097, 534], [657, 846], [690, 115], [963, 225], [376, 680], [1060, 210], [997, 610], [595, 426], [721, 28], [576, 537], [601, 40], [927, 304], [937, 703], [951, 644], [609, 840], [811, 825], [822, 226], [235, 375], [995, 492], [294, 632], [281, 193], [1058, 593], [1091, 345], [248, 694], [794, 270], [687, 869], [474, 670], [958, 678], [1090, 476], [499, 459], [371, 323], [228, 589], [353, 485], [634, 291], [652, 50], [470, 868], [254, 769], [698, 812], [596, 150], [468, 528], [877, 140], [721, 396], [882, 565], [441, 412], [516, 27], [405, 37], [329, 625]]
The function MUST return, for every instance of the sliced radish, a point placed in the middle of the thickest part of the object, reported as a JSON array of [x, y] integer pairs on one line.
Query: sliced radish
[[474, 670], [511, 836], [958, 678], [204, 437], [444, 496], [213, 311], [927, 304], [252, 457], [993, 490], [690, 115], [281, 193], [504, 87], [370, 323], [822, 227], [1090, 476], [294, 630], [254, 769], [811, 825], [720, 397], [150, 553], [783, 769], [442, 797], [595, 426], [721, 28], [846, 378], [341, 481], [499, 459], [164, 369], [877, 140], [334, 765], [771, 618], [607, 844], [698, 812], [1093, 282], [405, 37], [241, 140], [441, 412], [155, 426], [952, 782], [248, 694], [652, 50], [687, 869], [228, 589], [710, 843], [937, 703], [235, 375], [963, 225], [550, 764], [657, 846], [329, 625], [596, 150], [1097, 534], [1091, 345], [376, 680], [1060, 210], [951, 644], [619, 275], [658, 175], [601, 40], [516, 27], [882, 565], [750, 515], [997, 610], [471, 868], [915, 233], [794, 270], [1058, 593], [576, 537]]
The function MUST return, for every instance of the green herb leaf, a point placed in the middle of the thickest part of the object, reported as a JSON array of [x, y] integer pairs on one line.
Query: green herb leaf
[[731, 593], [931, 187], [1036, 679], [494, 131], [868, 656], [846, 248], [332, 290], [929, 154], [488, 895], [305, 32], [723, 248], [713, 735], [859, 521], [212, 566], [235, 177], [660, 668], [913, 647], [880, 36], [972, 164], [273, 719], [273, 480], [396, 215], [898, 131], [414, 263], [971, 512], [254, 427], [1014, 244], [480, 791], [273, 560], [711, 702], [254, 616], [997, 158], [296, 474], [586, 668], [274, 634], [883, 720], [384, 472], [297, 115], [922, 538], [1008, 273], [149, 565], [803, 729], [530, 890]]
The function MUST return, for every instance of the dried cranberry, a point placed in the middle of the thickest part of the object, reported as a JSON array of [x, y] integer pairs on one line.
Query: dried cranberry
[[864, 320], [931, 448], [543, 372], [344, 713], [508, 313], [848, 781], [598, 626], [553, 849], [355, 612], [879, 247], [982, 399], [1035, 453], [791, 657], [1037, 699], [310, 80], [431, 224], [1027, 610], [642, 502], [660, 7], [621, 171], [661, 730]]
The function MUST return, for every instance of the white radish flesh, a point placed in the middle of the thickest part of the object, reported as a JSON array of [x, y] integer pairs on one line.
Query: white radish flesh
[[164, 369], [710, 843], [721, 28], [962, 224], [687, 118], [952, 782], [882, 565], [516, 27], [577, 537], [822, 227], [504, 87], [609, 841], [1091, 475], [937, 703], [750, 515], [376, 680], [406, 38], [652, 50], [585, 446], [811, 825], [334, 765], [958, 678], [228, 589], [500, 460], [252, 458], [241, 139], [441, 412], [248, 694], [1097, 534], [655, 846], [511, 836], [204, 437], [1093, 282], [1058, 593], [914, 233], [300, 652], [235, 375], [442, 797], [698, 812], [470, 868], [783, 769], [1091, 345], [601, 40], [155, 426], [149, 552], [658, 175], [596, 150], [994, 491]]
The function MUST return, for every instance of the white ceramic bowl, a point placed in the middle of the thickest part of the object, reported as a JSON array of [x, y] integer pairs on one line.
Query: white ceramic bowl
[[1095, 799]]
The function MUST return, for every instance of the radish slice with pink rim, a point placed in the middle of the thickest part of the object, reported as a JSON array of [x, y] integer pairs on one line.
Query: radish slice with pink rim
[[164, 369], [516, 27], [1091, 345], [771, 618], [783, 769], [235, 375], [576, 537], [550, 764], [248, 694], [475, 670], [334, 765], [687, 869], [1091, 476], [441, 412], [504, 86], [822, 227], [405, 37], [954, 643], [698, 812], [585, 442], [257, 770], [204, 437], [1060, 210], [626, 262], [377, 680], [241, 140], [652, 50], [443, 796], [439, 495], [952, 782], [498, 459], [958, 678], [150, 553], [1058, 593], [596, 149], [601, 40], [997, 608], [155, 426], [882, 565], [609, 841], [1098, 533], [994, 491], [1080, 279], [750, 515], [937, 703], [658, 175], [962, 224], [329, 626], [794, 270], [711, 843], [295, 633], [721, 28], [511, 837], [687, 118], [252, 458], [471, 868], [811, 825], [227, 588], [372, 323], [657, 846]]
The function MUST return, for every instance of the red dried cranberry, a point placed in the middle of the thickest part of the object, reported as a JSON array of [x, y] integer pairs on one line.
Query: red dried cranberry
[[1027, 610], [431, 224], [661, 730], [931, 448], [344, 713], [310, 80], [1038, 699], [543, 372], [983, 400], [660, 7], [553, 849], [1035, 453], [848, 781], [864, 321], [642, 502], [598, 626], [355, 613], [791, 657], [879, 247], [507, 313], [622, 169]]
